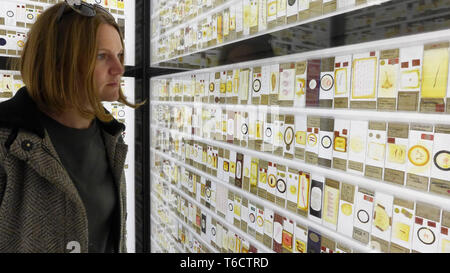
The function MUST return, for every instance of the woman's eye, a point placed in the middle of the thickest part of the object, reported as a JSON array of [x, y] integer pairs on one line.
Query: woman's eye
[[101, 56]]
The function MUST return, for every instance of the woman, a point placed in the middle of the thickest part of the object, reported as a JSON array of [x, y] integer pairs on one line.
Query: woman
[[62, 185]]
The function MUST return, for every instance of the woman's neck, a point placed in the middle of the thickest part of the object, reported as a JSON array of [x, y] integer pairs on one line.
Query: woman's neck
[[71, 118]]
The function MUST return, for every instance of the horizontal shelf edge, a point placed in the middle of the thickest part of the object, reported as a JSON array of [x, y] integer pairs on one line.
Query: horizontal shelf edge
[[354, 114], [398, 42]]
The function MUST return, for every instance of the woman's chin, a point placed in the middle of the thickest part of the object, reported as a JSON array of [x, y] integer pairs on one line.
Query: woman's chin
[[110, 94]]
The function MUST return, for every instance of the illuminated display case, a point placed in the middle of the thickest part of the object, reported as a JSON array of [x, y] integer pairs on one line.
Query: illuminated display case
[[320, 128]]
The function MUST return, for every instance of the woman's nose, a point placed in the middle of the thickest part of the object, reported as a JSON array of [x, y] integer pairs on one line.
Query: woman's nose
[[116, 67]]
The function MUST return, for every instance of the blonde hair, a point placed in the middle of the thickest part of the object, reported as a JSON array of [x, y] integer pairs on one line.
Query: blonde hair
[[58, 62]]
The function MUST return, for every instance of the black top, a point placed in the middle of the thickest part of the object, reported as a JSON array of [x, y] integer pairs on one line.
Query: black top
[[83, 154]]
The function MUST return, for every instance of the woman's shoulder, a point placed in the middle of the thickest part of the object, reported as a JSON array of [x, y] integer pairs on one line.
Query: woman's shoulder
[[16, 106], [20, 112]]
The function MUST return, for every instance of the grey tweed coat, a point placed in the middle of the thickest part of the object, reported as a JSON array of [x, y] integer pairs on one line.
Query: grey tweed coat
[[40, 208]]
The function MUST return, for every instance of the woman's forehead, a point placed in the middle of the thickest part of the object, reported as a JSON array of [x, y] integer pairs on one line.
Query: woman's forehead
[[109, 38]]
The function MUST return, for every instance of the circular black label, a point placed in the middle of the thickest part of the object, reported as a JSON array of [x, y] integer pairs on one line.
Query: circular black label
[[326, 142], [268, 132], [426, 235], [244, 129], [442, 160], [289, 135], [326, 82], [256, 85], [363, 216], [281, 185]]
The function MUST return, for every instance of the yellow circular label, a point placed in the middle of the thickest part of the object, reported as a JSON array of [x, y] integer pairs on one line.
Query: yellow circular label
[[292, 189], [418, 155], [346, 209], [272, 181], [312, 140]]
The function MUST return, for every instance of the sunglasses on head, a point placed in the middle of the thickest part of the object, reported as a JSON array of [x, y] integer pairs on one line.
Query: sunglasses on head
[[82, 8]]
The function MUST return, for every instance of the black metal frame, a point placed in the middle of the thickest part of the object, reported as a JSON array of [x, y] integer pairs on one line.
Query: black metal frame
[[142, 151]]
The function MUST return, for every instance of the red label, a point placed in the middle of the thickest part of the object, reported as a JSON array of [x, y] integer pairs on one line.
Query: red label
[[416, 62], [419, 221], [344, 132], [393, 61], [316, 130], [259, 74], [345, 64], [427, 137], [431, 224], [337, 65], [444, 230], [391, 140], [372, 54], [440, 107], [309, 130], [405, 65], [368, 198], [435, 46]]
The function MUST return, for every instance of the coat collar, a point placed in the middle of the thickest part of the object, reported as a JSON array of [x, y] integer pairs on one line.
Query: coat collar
[[21, 112]]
